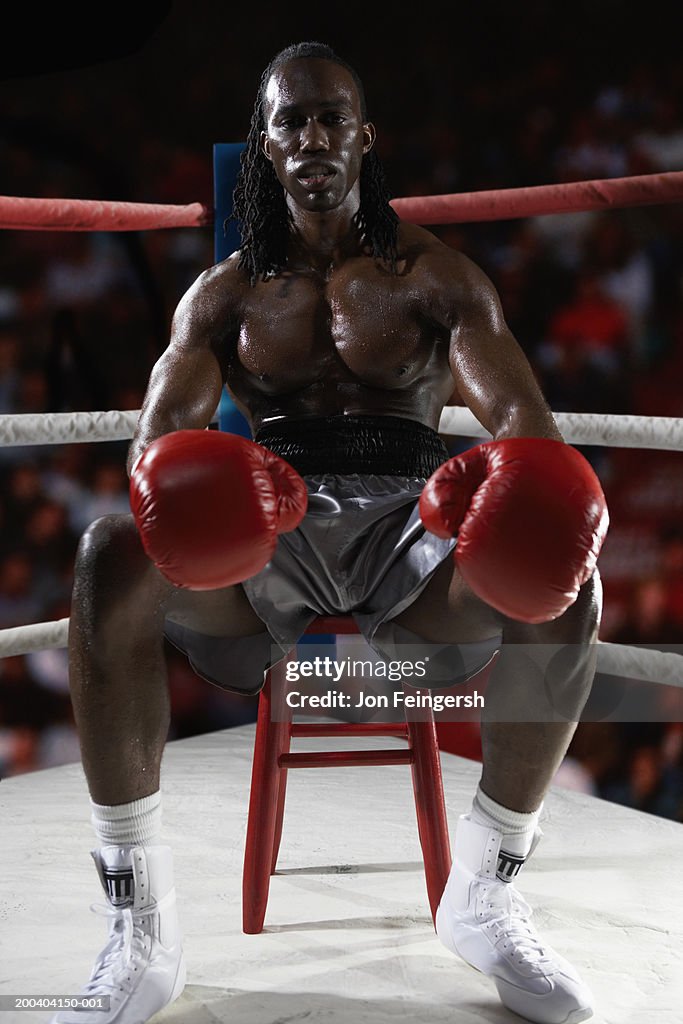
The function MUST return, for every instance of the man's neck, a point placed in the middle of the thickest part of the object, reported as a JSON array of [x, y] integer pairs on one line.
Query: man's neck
[[323, 252], [322, 241]]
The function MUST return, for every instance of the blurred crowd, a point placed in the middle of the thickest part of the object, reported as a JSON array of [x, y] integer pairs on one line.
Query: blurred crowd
[[595, 300]]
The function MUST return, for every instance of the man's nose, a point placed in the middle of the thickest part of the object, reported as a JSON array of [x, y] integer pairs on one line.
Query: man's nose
[[314, 137]]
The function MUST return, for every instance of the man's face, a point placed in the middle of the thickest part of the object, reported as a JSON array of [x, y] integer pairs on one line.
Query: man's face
[[315, 136]]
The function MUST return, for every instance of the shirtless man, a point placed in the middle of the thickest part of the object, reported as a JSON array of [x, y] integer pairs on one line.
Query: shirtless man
[[341, 333]]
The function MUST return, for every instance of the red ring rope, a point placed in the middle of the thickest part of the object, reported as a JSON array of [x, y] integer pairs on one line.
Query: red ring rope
[[494, 204], [502, 204], [95, 215]]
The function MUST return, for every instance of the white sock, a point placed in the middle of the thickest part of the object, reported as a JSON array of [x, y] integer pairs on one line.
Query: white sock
[[518, 827], [134, 824]]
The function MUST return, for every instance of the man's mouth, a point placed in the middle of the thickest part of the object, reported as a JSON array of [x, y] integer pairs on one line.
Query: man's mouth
[[315, 179]]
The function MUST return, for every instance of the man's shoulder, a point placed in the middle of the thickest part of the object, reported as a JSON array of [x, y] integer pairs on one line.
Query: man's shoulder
[[422, 247], [218, 286], [215, 295], [225, 276], [414, 237]]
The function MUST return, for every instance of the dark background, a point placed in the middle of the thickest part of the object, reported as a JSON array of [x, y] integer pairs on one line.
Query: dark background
[[125, 103]]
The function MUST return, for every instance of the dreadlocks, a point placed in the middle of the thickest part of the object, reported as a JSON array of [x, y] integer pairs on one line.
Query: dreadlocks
[[259, 204]]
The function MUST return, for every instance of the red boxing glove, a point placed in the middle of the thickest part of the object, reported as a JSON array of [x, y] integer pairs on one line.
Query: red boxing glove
[[530, 516], [209, 505]]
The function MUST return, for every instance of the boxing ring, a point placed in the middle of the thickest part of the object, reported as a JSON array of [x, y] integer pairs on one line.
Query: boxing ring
[[348, 934]]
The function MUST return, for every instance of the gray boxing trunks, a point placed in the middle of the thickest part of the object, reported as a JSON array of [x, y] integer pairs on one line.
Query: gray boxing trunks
[[360, 550]]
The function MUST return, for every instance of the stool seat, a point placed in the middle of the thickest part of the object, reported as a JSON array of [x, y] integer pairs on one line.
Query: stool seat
[[273, 759]]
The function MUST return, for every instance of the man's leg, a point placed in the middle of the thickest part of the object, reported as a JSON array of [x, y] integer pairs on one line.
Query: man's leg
[[530, 682], [537, 688], [121, 706], [542, 672], [116, 655]]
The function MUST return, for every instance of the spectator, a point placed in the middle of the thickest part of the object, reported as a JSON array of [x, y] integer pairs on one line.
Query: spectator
[[646, 786], [63, 477], [649, 618], [108, 492], [624, 272], [589, 151], [51, 545], [660, 144], [672, 577], [20, 602], [586, 355], [18, 751], [23, 490], [10, 373]]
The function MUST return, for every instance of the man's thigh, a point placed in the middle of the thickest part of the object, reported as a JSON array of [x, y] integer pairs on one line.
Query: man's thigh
[[447, 611], [224, 612]]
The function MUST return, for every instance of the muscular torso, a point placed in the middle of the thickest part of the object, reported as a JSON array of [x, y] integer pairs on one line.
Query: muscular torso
[[352, 339], [355, 340]]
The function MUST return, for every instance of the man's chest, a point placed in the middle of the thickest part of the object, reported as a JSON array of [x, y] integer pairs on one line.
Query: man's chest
[[369, 325]]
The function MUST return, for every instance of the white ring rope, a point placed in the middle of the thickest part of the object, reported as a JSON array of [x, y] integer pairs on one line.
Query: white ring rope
[[67, 427], [654, 666], [38, 637], [577, 428], [662, 432], [611, 430]]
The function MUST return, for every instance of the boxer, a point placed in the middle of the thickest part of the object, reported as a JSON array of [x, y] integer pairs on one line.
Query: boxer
[[341, 334]]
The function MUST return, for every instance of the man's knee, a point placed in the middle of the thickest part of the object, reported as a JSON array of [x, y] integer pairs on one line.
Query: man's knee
[[110, 559], [117, 597], [579, 624], [558, 656]]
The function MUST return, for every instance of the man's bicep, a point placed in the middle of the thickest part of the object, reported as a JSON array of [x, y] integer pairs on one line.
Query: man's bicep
[[182, 394], [185, 384], [492, 372]]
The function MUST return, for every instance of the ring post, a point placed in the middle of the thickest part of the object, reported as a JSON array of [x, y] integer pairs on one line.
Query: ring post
[[226, 166]]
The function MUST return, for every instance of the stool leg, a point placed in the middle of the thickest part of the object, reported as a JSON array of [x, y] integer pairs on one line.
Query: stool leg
[[432, 821], [280, 812], [272, 739]]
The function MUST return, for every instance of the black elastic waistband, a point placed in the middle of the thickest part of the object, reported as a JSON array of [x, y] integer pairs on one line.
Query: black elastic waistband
[[342, 445]]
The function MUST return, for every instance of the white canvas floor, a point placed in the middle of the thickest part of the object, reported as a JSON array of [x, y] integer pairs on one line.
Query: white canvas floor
[[348, 936]]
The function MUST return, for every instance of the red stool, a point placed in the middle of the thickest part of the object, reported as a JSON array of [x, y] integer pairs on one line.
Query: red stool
[[272, 759]]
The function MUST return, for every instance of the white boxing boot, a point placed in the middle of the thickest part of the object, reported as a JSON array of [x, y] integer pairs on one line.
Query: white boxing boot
[[142, 967], [483, 919]]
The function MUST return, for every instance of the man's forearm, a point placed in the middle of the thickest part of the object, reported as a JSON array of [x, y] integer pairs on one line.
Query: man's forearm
[[149, 428], [526, 422]]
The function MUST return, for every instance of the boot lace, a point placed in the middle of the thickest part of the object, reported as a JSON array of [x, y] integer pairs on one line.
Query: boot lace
[[507, 918], [120, 958]]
